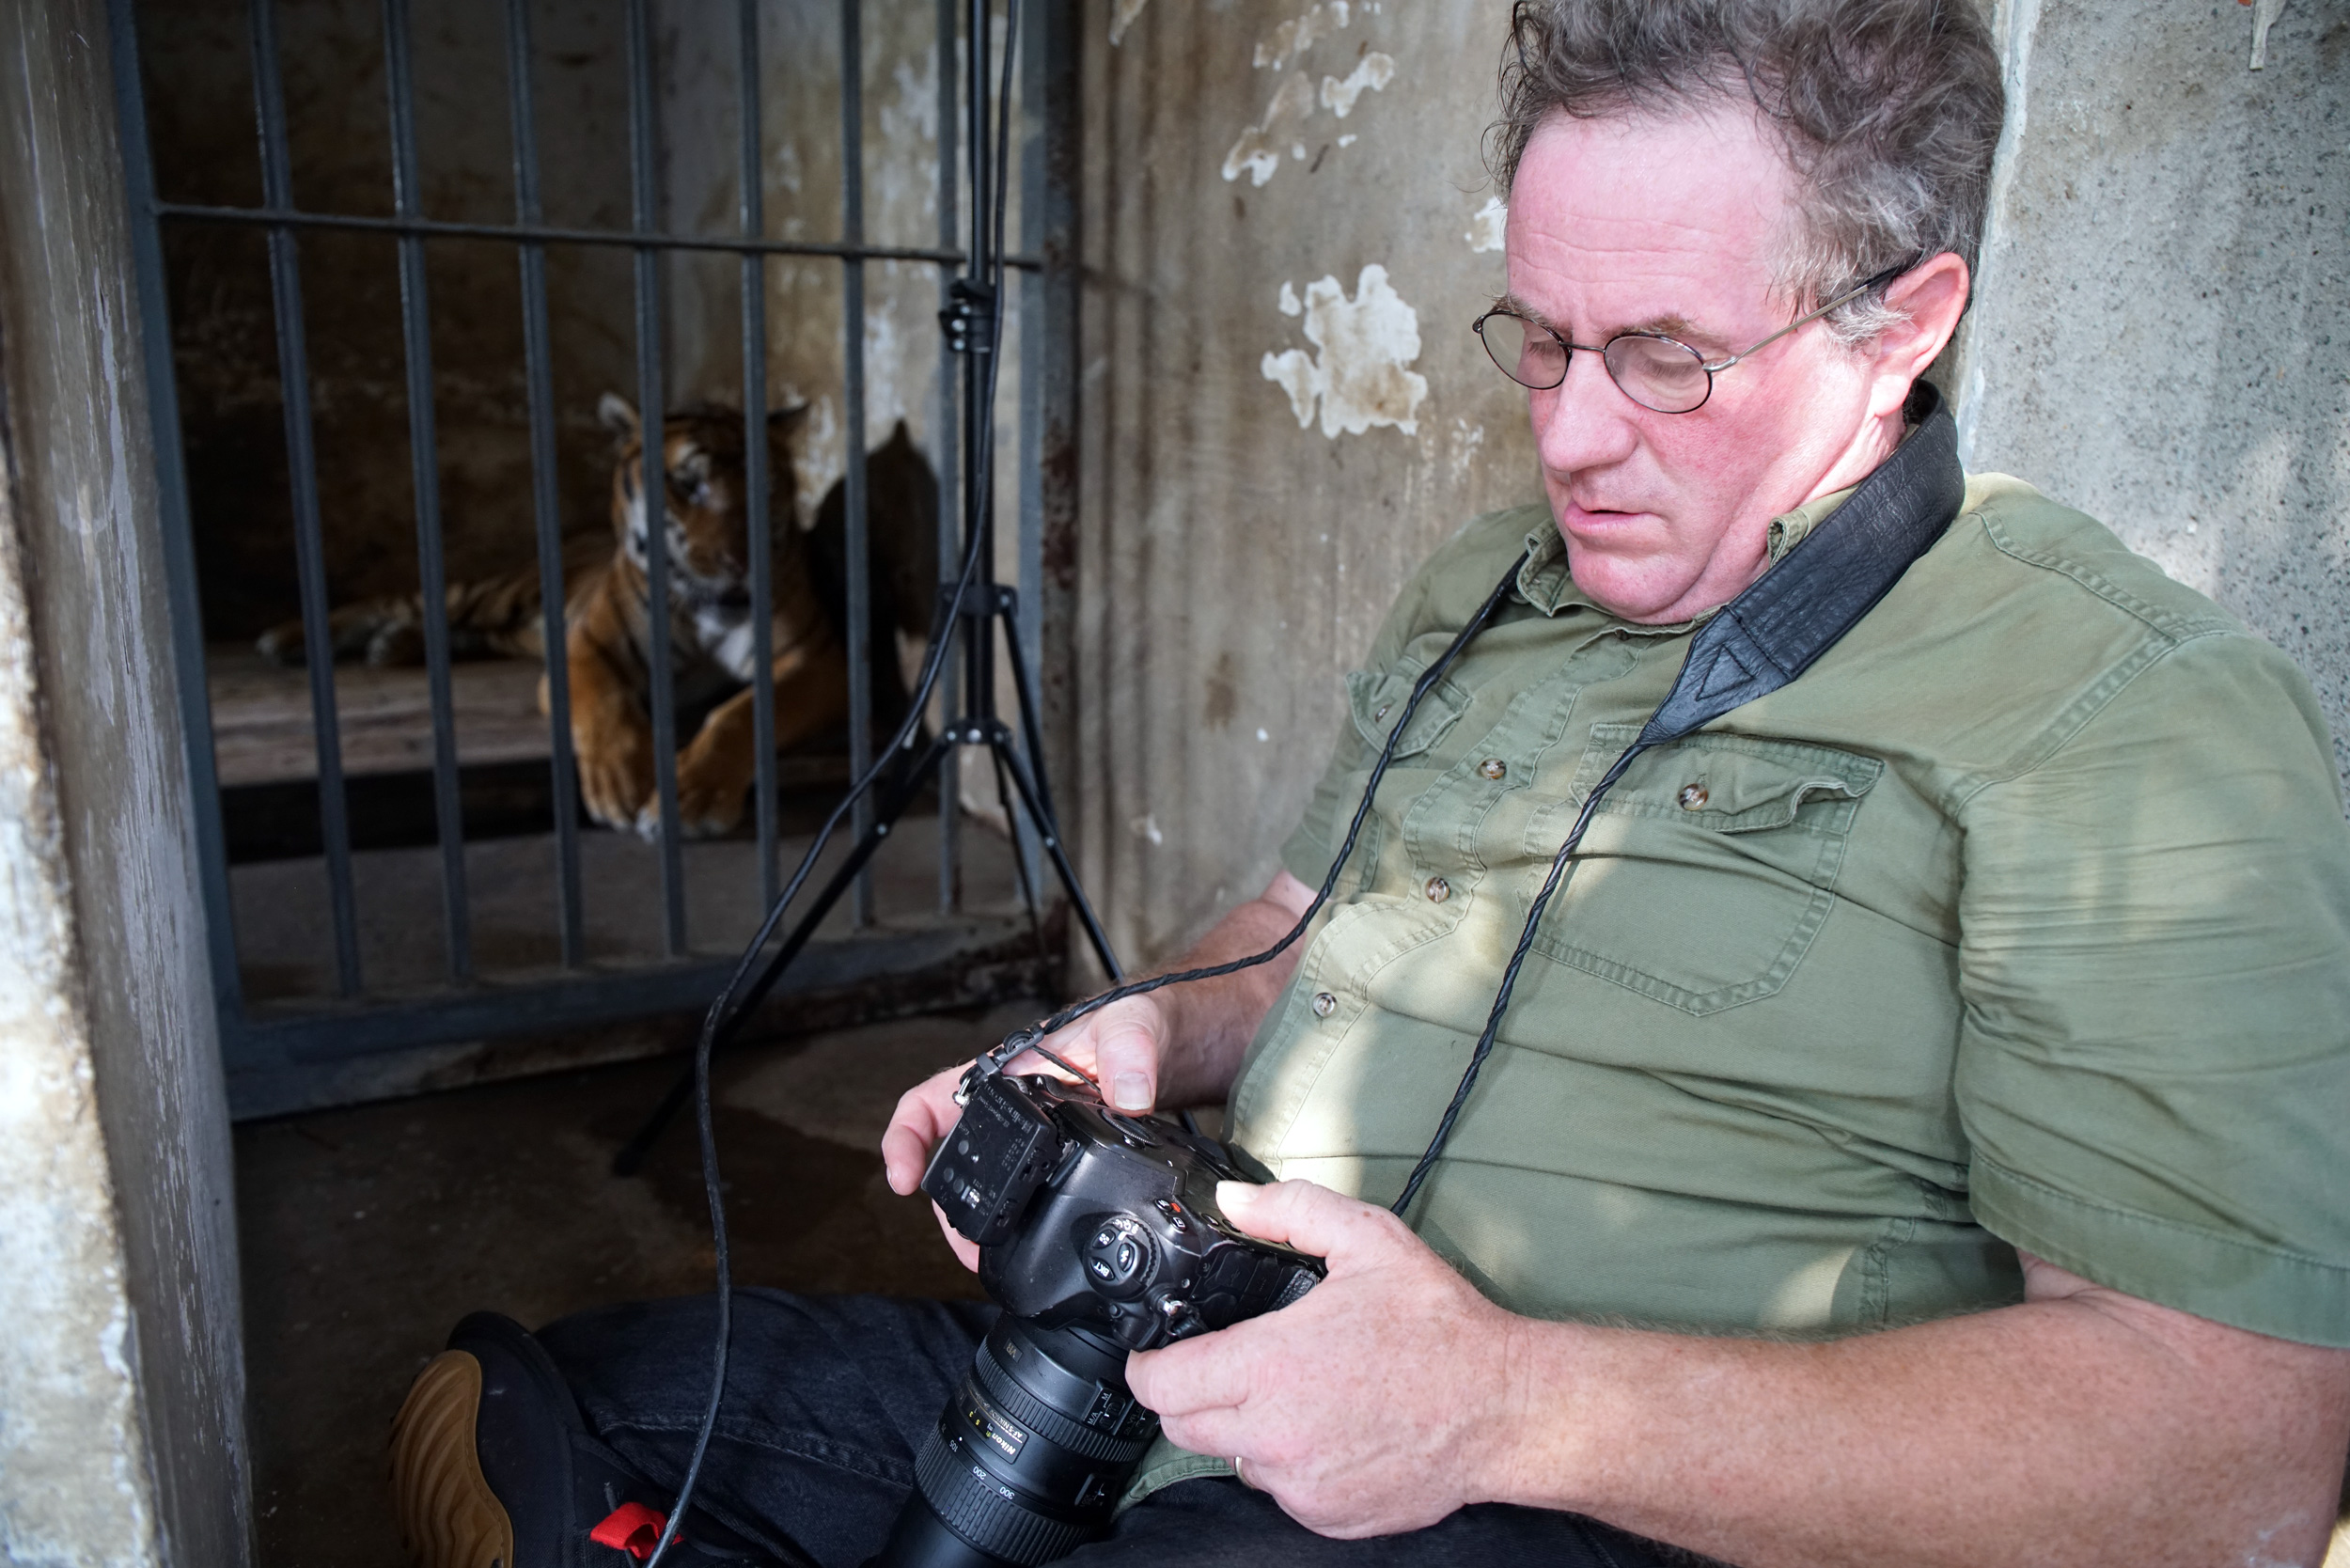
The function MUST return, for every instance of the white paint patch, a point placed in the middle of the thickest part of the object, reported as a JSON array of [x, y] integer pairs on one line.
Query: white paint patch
[[1263, 736], [885, 402], [1349, 139], [1258, 150], [1148, 827], [1467, 441], [1291, 304], [1371, 74], [1122, 16], [817, 457], [1359, 376], [1291, 39], [1491, 225]]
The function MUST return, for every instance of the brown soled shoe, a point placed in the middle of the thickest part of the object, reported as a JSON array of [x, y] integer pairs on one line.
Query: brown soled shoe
[[494, 1468]]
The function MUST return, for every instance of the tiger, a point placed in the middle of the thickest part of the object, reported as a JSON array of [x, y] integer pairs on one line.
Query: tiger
[[608, 619]]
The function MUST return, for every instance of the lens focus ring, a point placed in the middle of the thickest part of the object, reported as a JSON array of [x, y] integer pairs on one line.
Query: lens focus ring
[[1046, 1422], [982, 1511]]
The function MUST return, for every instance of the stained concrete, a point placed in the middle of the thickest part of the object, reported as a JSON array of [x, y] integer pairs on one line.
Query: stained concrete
[[121, 1376], [2165, 303], [369, 1231]]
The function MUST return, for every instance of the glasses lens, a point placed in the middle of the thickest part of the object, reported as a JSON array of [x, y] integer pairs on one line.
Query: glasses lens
[[1526, 355], [1658, 374]]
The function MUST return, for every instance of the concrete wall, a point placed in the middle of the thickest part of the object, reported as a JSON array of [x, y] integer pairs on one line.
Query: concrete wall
[[2165, 312], [121, 1378], [1285, 410]]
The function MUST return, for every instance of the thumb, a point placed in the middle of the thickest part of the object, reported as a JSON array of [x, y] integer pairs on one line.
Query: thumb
[[1311, 1219], [1126, 1056]]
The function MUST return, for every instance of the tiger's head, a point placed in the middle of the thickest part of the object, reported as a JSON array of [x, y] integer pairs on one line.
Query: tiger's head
[[704, 497]]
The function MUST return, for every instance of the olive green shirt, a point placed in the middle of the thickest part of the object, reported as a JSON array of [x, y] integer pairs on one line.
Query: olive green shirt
[[2022, 919]]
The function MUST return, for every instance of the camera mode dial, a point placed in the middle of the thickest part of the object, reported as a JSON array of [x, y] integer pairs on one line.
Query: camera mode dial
[[1120, 1257]]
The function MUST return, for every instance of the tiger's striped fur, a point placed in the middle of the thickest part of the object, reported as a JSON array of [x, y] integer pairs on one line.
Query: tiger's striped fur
[[609, 624]]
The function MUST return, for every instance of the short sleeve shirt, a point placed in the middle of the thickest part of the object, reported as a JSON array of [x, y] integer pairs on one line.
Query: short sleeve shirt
[[2022, 919]]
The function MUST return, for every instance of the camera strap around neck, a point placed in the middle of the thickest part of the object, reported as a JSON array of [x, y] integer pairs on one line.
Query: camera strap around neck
[[1762, 640]]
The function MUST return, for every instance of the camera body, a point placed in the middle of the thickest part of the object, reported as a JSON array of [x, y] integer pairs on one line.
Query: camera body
[[1090, 1218], [1099, 1235]]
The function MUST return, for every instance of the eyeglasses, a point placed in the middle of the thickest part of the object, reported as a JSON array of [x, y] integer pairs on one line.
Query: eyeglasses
[[1653, 370]]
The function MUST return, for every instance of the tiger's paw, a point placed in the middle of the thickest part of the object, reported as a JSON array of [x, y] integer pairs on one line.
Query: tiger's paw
[[615, 776], [712, 778]]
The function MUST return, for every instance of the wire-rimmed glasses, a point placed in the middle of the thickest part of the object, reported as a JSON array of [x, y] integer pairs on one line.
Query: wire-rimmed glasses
[[1655, 370]]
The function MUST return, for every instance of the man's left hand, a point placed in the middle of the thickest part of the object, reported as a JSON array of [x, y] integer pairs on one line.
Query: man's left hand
[[1373, 1404]]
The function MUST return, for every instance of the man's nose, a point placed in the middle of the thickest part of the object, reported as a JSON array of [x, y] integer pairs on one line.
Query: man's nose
[[1584, 422]]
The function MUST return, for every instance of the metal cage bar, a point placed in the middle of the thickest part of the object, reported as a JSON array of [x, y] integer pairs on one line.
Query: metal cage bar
[[293, 373], [424, 449], [756, 479], [545, 501], [854, 545], [284, 1054], [652, 489], [949, 465]]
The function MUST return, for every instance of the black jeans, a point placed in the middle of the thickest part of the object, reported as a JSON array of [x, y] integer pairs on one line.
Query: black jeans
[[828, 1397]]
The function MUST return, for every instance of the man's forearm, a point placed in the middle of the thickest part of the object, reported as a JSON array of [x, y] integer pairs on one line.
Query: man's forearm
[[2058, 1431], [1212, 1021]]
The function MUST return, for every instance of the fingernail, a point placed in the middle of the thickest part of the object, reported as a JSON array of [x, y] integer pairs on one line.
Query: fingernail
[[1234, 1194], [1131, 1092]]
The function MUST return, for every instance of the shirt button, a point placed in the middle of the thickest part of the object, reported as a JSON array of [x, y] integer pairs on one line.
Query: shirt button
[[1324, 1004], [1438, 889], [1693, 797], [1493, 768]]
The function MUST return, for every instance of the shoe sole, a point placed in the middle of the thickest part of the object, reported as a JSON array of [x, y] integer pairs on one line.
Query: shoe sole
[[447, 1514]]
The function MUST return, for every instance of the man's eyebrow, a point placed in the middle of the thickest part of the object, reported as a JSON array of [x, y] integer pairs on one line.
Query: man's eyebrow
[[1671, 324]]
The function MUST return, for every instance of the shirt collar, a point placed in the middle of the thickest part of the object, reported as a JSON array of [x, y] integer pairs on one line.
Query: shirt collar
[[1544, 582]]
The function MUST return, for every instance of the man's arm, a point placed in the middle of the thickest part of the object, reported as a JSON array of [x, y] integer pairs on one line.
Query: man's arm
[[2083, 1426], [1179, 1047]]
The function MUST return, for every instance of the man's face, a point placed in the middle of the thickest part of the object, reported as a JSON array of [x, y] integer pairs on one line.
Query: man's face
[[1669, 224]]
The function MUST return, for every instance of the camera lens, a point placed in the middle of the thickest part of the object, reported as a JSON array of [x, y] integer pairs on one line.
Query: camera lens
[[1030, 1457]]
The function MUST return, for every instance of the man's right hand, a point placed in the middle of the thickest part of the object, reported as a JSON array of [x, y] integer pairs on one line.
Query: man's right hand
[[1121, 1045]]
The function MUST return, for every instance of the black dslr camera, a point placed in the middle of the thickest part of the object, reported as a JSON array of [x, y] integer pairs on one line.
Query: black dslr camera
[[1098, 1235]]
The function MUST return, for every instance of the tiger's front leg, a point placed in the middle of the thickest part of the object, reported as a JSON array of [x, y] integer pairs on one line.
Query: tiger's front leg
[[611, 736], [717, 768]]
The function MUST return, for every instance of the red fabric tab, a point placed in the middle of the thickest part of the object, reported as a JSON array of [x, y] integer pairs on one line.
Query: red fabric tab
[[631, 1528]]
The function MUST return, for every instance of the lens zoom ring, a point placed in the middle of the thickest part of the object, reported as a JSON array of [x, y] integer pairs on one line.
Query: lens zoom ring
[[975, 1510], [1048, 1424]]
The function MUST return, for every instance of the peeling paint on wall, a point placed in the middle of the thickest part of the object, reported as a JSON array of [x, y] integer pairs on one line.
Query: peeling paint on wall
[[1373, 72], [2265, 16], [1359, 375], [1291, 39], [1259, 149], [1488, 227]]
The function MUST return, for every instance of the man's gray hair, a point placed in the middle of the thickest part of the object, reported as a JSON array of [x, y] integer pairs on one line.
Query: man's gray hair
[[1887, 110]]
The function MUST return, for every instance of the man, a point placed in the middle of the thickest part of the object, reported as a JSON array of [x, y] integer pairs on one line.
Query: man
[[1942, 1057]]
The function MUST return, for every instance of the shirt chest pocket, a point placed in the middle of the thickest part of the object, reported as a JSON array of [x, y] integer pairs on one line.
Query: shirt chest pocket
[[1708, 868]]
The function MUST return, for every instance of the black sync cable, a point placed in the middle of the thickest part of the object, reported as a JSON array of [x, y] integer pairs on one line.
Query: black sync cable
[[715, 1021]]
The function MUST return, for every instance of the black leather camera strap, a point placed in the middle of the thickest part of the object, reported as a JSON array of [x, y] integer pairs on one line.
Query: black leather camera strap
[[1762, 640]]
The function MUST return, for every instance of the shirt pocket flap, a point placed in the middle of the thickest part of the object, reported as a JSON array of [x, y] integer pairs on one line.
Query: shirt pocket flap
[[1377, 699], [1734, 785]]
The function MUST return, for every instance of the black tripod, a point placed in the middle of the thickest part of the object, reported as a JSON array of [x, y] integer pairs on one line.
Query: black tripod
[[969, 608]]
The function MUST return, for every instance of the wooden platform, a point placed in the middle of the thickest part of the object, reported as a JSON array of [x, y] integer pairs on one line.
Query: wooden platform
[[262, 731]]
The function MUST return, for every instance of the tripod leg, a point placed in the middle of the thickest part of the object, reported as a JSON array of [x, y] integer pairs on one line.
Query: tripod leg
[[1031, 730], [1019, 847], [904, 786], [1010, 759]]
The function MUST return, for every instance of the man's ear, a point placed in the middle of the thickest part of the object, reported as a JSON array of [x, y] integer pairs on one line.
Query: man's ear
[[1931, 297], [618, 416]]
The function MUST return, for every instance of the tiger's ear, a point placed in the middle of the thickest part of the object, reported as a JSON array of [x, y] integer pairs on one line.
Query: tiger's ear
[[787, 421], [618, 416]]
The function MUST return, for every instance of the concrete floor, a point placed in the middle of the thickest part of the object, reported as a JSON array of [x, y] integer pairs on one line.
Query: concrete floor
[[367, 1232]]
